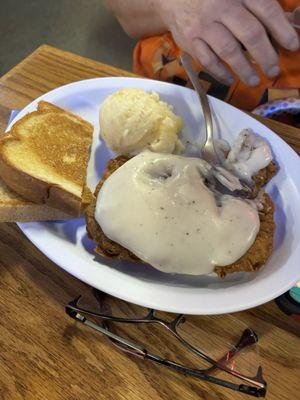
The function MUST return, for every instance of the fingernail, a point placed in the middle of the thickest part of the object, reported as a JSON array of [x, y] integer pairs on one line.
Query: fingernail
[[294, 44], [273, 71], [227, 78], [254, 80]]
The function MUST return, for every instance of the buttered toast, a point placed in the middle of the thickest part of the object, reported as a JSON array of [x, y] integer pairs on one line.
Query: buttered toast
[[44, 157]]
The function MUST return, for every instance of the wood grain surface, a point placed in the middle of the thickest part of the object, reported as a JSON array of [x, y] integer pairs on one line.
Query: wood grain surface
[[45, 355]]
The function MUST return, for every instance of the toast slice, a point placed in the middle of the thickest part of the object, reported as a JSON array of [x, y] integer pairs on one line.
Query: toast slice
[[44, 158], [251, 261], [14, 208]]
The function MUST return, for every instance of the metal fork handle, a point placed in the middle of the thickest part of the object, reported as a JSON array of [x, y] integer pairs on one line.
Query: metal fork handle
[[187, 63]]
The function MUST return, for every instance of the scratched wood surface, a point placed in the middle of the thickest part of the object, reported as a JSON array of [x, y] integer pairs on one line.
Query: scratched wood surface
[[45, 355]]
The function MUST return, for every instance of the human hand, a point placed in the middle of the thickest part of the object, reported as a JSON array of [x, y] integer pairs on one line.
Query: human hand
[[212, 31]]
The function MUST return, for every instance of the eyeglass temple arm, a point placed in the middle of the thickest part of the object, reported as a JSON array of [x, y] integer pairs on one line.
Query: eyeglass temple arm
[[143, 353], [248, 338], [171, 327], [139, 351], [250, 390], [73, 305]]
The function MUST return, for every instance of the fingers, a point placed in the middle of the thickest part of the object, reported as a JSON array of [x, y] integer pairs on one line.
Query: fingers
[[227, 48], [272, 16], [217, 36], [210, 62], [249, 31]]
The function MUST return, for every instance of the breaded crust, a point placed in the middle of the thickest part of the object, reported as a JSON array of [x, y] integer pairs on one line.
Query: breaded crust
[[262, 247], [105, 247], [263, 177], [255, 257]]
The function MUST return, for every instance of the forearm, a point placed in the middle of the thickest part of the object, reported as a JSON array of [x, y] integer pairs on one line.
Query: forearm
[[139, 18]]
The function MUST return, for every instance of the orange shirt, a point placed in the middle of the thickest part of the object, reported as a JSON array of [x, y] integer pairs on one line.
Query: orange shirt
[[156, 58]]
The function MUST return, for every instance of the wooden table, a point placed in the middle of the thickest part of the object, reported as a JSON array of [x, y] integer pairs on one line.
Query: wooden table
[[44, 354]]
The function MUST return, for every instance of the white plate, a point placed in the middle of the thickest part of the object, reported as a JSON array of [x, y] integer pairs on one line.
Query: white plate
[[66, 243]]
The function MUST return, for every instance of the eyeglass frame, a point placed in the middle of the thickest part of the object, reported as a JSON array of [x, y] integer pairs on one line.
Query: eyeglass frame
[[248, 337]]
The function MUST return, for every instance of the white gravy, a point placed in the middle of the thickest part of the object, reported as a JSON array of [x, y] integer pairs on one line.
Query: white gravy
[[158, 207], [248, 155]]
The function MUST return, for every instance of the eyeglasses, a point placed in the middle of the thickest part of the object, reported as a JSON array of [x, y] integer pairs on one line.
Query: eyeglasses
[[227, 362]]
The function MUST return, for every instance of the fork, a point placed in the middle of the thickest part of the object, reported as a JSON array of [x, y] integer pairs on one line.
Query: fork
[[226, 179]]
